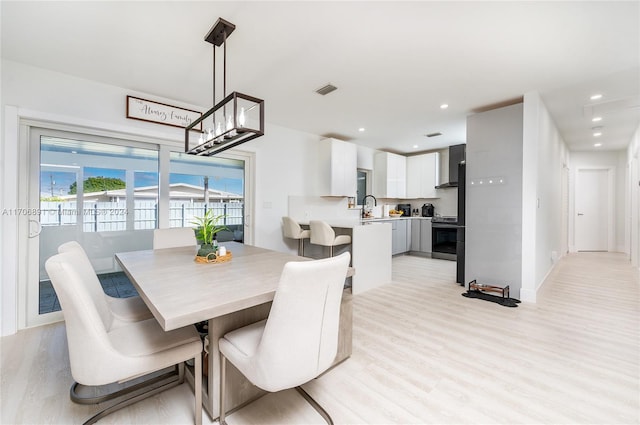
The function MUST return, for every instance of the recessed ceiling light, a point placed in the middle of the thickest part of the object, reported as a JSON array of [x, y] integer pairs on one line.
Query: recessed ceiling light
[[597, 145], [597, 134], [415, 146], [596, 96], [361, 129], [444, 106], [596, 119]]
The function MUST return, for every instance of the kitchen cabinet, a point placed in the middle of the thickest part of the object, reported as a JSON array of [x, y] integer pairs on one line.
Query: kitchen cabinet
[[415, 235], [339, 167], [390, 175], [421, 235], [400, 236], [457, 154], [423, 175], [425, 236]]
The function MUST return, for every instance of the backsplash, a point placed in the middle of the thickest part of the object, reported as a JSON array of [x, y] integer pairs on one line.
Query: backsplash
[[446, 204]]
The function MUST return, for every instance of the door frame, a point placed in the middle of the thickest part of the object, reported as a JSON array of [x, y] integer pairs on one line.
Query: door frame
[[28, 167], [611, 205]]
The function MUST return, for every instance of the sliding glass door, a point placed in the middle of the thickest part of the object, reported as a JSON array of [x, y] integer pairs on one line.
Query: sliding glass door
[[106, 194], [97, 191], [198, 184]]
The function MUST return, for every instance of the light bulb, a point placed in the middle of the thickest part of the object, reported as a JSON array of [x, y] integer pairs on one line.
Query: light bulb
[[242, 119], [231, 131], [218, 128]]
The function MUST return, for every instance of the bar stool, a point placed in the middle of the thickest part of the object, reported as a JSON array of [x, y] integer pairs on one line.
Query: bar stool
[[292, 230], [323, 234]]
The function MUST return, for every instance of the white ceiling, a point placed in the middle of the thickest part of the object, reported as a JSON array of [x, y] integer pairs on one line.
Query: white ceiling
[[394, 63]]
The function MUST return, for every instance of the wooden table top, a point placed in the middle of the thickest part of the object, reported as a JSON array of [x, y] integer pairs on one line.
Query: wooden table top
[[181, 292]]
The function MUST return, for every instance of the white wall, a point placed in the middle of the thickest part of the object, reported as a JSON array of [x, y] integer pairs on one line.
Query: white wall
[[616, 160], [544, 222], [285, 159], [494, 212], [516, 231], [285, 166], [632, 216]]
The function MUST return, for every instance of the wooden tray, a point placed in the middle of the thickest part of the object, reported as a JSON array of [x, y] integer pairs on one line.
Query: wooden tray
[[218, 259]]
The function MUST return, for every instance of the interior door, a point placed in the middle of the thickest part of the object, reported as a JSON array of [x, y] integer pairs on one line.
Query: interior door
[[592, 210]]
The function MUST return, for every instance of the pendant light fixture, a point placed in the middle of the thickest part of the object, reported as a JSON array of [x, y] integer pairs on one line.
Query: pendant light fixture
[[236, 119]]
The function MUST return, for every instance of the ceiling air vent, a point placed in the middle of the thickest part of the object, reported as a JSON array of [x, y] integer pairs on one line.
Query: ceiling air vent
[[326, 89], [434, 134]]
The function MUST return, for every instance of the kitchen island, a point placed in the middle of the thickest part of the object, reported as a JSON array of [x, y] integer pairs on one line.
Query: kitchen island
[[370, 251]]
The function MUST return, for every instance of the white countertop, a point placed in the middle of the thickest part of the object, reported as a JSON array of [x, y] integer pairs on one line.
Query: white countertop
[[346, 223], [343, 223], [366, 220]]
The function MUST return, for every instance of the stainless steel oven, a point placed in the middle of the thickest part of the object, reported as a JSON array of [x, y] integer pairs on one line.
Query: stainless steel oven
[[444, 240]]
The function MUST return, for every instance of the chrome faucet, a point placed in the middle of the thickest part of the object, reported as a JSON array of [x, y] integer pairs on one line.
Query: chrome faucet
[[364, 203]]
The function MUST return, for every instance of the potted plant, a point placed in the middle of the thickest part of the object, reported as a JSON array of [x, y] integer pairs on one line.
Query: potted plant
[[206, 231]]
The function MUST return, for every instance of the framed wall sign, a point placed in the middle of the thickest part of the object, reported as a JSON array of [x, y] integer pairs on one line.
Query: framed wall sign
[[161, 113]]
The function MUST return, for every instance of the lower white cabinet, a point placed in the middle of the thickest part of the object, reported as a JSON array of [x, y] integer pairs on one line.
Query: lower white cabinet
[[410, 235], [421, 235], [425, 236], [415, 235], [400, 236]]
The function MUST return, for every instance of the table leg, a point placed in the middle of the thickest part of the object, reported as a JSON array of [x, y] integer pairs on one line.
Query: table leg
[[239, 389]]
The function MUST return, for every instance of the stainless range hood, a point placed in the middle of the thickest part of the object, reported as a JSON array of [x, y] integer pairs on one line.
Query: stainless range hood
[[456, 156]]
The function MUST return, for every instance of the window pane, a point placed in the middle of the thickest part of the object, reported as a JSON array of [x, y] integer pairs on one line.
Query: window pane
[[146, 200], [198, 184], [104, 200], [105, 204], [56, 209]]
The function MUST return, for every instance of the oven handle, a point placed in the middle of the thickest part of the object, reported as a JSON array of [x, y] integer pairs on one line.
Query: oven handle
[[445, 226]]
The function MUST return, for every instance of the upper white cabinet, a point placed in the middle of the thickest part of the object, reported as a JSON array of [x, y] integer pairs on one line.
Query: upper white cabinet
[[339, 161], [423, 175], [390, 175]]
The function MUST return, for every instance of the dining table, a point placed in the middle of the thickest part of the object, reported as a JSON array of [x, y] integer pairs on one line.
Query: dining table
[[227, 295]]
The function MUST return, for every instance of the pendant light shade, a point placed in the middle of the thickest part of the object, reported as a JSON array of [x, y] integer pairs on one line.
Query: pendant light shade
[[236, 119]]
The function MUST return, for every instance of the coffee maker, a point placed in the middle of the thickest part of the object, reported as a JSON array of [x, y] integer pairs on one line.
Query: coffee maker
[[427, 210]]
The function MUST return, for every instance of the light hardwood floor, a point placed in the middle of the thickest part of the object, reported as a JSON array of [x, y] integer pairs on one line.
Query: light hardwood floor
[[422, 354]]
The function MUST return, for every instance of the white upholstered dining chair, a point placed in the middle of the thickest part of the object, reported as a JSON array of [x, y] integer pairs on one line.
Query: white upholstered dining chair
[[131, 309], [299, 339], [323, 234], [174, 237], [101, 353], [292, 230]]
